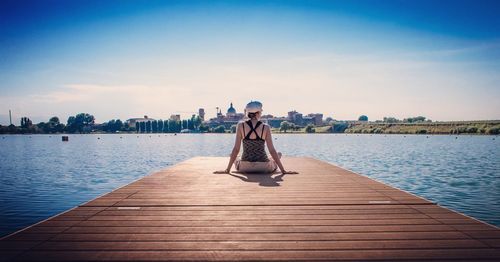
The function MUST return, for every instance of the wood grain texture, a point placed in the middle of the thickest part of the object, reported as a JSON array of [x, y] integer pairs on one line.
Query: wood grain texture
[[186, 212]]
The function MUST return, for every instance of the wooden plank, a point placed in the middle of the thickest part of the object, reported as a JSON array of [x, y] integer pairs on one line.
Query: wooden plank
[[238, 255], [262, 217], [186, 212], [301, 222], [140, 212], [318, 236], [263, 245], [268, 208], [257, 229]]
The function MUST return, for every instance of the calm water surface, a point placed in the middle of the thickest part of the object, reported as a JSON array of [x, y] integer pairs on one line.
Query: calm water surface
[[41, 176]]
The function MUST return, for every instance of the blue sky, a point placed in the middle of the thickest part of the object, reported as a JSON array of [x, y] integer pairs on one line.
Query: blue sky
[[121, 59]]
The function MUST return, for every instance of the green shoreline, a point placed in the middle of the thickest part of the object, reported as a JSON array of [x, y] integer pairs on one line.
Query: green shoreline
[[490, 127], [441, 128]]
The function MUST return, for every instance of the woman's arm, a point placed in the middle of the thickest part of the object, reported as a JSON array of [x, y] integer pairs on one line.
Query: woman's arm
[[236, 150], [272, 151]]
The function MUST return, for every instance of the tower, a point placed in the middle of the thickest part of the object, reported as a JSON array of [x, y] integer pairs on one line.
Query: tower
[[201, 113]]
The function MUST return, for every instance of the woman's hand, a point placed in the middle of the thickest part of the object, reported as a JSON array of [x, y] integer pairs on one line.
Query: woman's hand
[[289, 172], [227, 171]]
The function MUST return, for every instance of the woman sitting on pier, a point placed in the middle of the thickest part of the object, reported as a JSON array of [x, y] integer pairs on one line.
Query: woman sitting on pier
[[255, 135]]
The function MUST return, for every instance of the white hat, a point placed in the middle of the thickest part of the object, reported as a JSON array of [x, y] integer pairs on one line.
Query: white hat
[[253, 107]]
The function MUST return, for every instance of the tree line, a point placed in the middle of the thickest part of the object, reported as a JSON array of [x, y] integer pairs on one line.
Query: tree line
[[85, 123], [170, 125], [80, 123]]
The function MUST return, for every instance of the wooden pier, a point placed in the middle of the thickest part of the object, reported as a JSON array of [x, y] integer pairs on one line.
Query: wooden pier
[[186, 212]]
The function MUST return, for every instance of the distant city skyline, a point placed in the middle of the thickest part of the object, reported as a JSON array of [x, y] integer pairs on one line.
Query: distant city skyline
[[438, 59], [186, 115]]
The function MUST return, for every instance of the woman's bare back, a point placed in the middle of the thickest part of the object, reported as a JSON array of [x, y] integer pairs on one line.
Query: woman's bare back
[[260, 130]]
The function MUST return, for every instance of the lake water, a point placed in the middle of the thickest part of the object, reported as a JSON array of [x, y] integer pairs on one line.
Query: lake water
[[41, 176]]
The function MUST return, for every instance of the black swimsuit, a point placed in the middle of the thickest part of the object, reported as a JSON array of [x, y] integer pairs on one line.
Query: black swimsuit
[[254, 150]]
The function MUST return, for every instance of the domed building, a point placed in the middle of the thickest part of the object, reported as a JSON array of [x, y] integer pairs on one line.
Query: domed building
[[231, 118], [231, 111]]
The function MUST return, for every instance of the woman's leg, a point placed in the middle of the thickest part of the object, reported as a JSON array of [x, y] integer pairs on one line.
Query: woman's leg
[[237, 164], [272, 166]]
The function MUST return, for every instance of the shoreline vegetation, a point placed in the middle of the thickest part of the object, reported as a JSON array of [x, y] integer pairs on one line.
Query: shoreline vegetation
[[486, 127], [84, 123], [434, 128]]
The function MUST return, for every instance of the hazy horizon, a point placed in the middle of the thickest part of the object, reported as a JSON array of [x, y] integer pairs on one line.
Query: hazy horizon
[[341, 58]]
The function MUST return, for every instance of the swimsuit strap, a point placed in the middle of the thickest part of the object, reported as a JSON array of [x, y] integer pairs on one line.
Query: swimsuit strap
[[253, 129]]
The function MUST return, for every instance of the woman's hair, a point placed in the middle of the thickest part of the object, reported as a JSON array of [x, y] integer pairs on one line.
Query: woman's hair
[[252, 115]]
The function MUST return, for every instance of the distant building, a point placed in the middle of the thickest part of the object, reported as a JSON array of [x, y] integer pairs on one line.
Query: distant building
[[231, 118], [201, 113], [175, 117], [231, 111], [272, 121], [295, 117], [300, 120], [317, 118], [308, 120], [131, 122], [291, 115]]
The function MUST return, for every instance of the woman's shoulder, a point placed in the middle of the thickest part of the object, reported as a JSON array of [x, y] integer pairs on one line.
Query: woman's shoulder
[[240, 124], [265, 125]]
